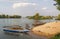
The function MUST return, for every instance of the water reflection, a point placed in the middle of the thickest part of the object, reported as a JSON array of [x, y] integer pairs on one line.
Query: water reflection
[[14, 34]]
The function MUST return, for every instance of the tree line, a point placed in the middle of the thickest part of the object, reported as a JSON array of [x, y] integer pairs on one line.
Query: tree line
[[9, 16], [39, 17]]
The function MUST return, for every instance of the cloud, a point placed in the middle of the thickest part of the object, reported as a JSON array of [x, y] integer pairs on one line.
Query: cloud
[[16, 5], [45, 0], [44, 8]]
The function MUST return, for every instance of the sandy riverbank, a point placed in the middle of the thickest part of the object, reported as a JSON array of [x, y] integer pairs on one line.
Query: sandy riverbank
[[48, 29], [35, 36]]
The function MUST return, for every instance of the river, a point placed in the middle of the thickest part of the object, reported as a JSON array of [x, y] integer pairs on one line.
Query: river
[[20, 22]]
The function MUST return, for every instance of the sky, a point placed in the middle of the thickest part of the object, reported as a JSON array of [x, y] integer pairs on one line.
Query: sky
[[28, 7]]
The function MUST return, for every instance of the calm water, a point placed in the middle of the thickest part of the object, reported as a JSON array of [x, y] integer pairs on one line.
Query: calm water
[[21, 22]]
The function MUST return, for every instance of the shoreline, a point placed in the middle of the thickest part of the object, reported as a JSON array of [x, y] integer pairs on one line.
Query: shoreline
[[32, 34]]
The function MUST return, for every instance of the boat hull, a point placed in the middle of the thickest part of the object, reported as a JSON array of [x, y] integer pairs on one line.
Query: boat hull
[[16, 31]]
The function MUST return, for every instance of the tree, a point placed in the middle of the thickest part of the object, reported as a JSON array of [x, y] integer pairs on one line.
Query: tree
[[3, 15], [7, 16], [58, 17], [57, 4], [36, 16]]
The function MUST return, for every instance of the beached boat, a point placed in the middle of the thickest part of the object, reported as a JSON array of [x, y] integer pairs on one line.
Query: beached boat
[[38, 23], [14, 29]]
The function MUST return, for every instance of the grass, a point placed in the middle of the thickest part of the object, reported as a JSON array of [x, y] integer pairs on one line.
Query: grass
[[57, 36]]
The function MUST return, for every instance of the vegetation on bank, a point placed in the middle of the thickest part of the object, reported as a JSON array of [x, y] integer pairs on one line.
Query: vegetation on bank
[[57, 4], [35, 17], [57, 36], [39, 17], [58, 17], [8, 16]]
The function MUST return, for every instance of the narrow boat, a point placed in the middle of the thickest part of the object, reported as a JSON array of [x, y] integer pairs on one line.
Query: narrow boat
[[15, 29]]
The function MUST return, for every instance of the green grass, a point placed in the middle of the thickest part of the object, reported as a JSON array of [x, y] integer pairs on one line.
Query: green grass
[[57, 36]]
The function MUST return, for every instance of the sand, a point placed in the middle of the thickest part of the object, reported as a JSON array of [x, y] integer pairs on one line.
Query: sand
[[47, 29]]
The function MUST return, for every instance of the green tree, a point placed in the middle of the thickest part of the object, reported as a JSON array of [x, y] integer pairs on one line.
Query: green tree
[[7, 16], [36, 16], [58, 17], [3, 15], [16, 16], [0, 16], [57, 4]]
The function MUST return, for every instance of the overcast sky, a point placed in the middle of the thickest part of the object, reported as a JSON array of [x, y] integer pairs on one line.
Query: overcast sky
[[28, 7]]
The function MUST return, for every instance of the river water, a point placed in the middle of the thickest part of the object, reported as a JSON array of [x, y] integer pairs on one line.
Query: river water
[[20, 22]]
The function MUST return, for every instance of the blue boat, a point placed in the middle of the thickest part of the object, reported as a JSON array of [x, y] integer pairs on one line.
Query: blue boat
[[10, 31], [15, 29]]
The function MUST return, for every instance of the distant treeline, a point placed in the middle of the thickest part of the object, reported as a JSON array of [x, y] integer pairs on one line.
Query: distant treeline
[[39, 17], [9, 16]]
